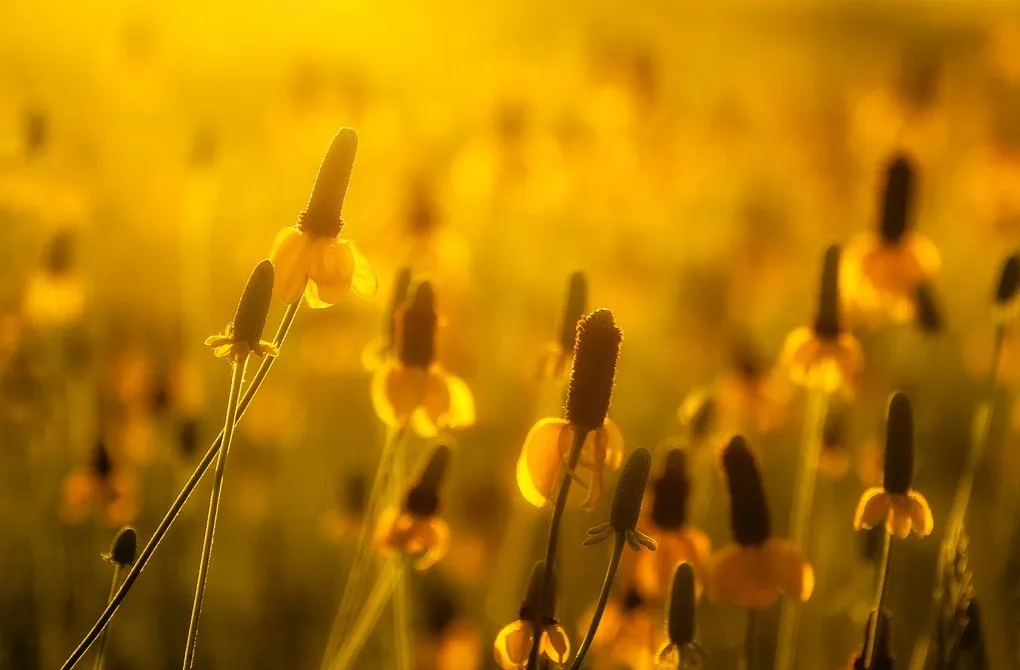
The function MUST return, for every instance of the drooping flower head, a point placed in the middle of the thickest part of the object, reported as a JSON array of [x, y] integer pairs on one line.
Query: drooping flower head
[[746, 398], [103, 488], [243, 335], [554, 362], [626, 509], [895, 502], [681, 621], [546, 449], [824, 357], [757, 568], [536, 618], [416, 527]]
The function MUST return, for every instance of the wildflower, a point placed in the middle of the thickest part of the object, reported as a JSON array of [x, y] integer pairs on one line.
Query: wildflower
[[747, 398], [546, 449], [535, 619], [414, 387], [680, 621], [380, 349], [558, 354], [124, 547], [824, 356], [884, 268], [100, 488], [243, 335], [311, 256], [666, 523], [757, 567], [626, 509], [55, 296], [1006, 291], [416, 528], [902, 508]]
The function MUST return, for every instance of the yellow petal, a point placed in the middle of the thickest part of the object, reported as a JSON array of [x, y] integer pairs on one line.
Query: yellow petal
[[899, 521], [668, 657], [396, 392], [513, 645], [462, 402], [794, 576], [330, 262], [613, 444], [289, 256], [538, 467], [921, 514], [437, 543], [364, 282], [871, 508], [555, 646], [376, 353]]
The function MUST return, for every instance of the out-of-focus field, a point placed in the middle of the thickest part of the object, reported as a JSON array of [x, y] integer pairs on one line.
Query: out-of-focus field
[[693, 160]]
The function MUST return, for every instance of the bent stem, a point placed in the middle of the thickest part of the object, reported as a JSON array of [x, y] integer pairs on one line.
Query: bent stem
[[600, 606], [800, 521], [182, 498], [881, 591], [101, 647], [236, 378], [554, 526], [384, 586]]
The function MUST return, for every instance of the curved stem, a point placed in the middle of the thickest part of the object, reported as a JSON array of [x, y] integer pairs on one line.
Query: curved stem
[[881, 592], [101, 647], [236, 378], [384, 585], [182, 498], [600, 606], [554, 526]]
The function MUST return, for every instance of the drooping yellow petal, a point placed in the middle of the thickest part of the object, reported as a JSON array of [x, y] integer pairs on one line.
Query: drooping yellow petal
[[610, 432], [396, 392], [555, 645], [539, 465], [740, 575], [921, 514], [436, 540], [432, 412], [462, 402], [668, 657], [899, 520], [513, 645], [364, 282], [871, 508], [793, 576], [330, 262], [289, 256]]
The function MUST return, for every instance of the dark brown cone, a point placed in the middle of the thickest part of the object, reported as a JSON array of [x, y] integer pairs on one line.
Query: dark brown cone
[[539, 605], [899, 445], [827, 322], [1009, 280], [897, 201], [59, 260], [124, 547], [253, 308], [400, 291], [423, 497], [749, 511], [102, 466], [416, 331], [596, 351], [681, 615], [670, 492], [573, 310], [929, 313], [322, 213], [630, 490]]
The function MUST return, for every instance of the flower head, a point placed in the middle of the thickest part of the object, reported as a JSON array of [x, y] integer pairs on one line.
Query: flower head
[[589, 392], [311, 256], [124, 547], [626, 509], [413, 387], [100, 488], [416, 528], [554, 362], [55, 295], [243, 335], [536, 618], [756, 568], [824, 356], [895, 502], [1006, 290], [681, 620]]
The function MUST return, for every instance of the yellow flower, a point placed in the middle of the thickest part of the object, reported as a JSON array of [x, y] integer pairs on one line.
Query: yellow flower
[[680, 650], [311, 256], [101, 489], [824, 356], [554, 362], [545, 454], [414, 387], [883, 269], [55, 295], [895, 502], [416, 528], [757, 568], [514, 642], [243, 336]]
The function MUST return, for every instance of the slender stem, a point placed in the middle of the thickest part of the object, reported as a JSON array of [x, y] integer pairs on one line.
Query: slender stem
[[751, 640], [800, 521], [101, 646], [401, 615], [182, 498], [384, 585], [881, 591], [580, 436], [214, 511], [600, 607]]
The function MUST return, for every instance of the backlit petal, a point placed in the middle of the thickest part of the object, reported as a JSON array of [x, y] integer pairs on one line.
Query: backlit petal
[[364, 282], [899, 521], [461, 411], [794, 577], [555, 645], [871, 508], [739, 576], [330, 262], [396, 392], [289, 256], [513, 644], [538, 467], [613, 445], [436, 541], [920, 513]]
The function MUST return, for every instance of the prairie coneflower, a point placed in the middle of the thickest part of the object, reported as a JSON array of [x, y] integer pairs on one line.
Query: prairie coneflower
[[757, 568], [243, 335], [681, 619], [535, 624], [55, 296], [551, 447], [416, 527], [311, 256], [895, 502], [101, 488], [414, 387], [883, 268], [381, 348], [747, 398], [824, 356], [1006, 304], [666, 523], [555, 360], [122, 554]]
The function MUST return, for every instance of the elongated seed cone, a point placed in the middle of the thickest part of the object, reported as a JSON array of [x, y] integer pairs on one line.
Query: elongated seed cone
[[827, 322], [101, 464], [929, 312], [321, 216], [573, 310], [124, 547], [594, 370], [423, 497], [253, 308], [539, 603], [681, 614], [749, 512], [897, 200], [1009, 280], [400, 291], [59, 259], [630, 490], [670, 492], [899, 445], [416, 329]]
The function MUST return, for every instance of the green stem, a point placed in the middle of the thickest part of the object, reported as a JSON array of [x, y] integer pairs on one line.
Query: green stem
[[101, 646], [214, 511], [751, 640], [600, 606], [401, 615], [580, 435], [881, 592], [182, 498], [384, 585]]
